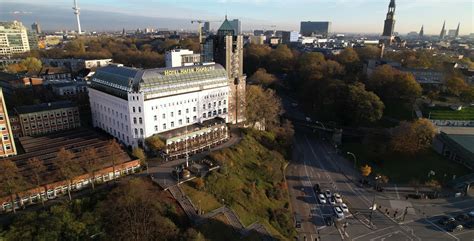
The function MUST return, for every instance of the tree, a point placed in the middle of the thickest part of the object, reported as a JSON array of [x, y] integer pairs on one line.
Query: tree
[[37, 168], [368, 52], [281, 60], [391, 84], [67, 169], [365, 170], [263, 78], [467, 95], [32, 65], [262, 106], [155, 143], [413, 137], [140, 154], [362, 106], [136, 215], [113, 151], [10, 179], [91, 163], [15, 68], [255, 57], [348, 56], [433, 95], [199, 183], [456, 85]]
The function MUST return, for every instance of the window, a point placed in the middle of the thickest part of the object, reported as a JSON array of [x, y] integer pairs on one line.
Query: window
[[8, 147], [209, 114], [133, 109], [225, 102], [180, 122], [172, 114], [3, 128], [134, 120], [187, 111], [141, 131], [204, 115], [209, 105], [156, 128], [164, 116], [220, 102], [187, 119], [1, 117], [204, 106], [140, 121], [155, 118], [5, 137], [214, 112], [194, 118], [172, 124], [164, 126], [215, 104], [219, 112], [179, 112], [139, 109], [225, 110], [194, 109], [136, 131]]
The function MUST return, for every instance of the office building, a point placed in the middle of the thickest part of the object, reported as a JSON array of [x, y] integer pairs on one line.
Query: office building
[[227, 49], [206, 29], [76, 64], [259, 40], [181, 58], [7, 147], [133, 104], [289, 37], [310, 28], [13, 38], [258, 32], [35, 27], [236, 24], [45, 118]]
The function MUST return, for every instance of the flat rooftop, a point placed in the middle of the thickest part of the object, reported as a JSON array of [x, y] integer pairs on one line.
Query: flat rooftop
[[466, 141], [44, 107]]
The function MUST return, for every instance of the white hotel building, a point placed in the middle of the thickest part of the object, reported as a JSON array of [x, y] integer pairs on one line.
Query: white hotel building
[[133, 104]]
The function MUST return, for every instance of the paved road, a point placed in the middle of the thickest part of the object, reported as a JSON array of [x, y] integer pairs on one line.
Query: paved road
[[317, 162]]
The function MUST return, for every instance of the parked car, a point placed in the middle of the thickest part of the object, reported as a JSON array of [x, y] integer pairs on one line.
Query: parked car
[[469, 225], [327, 193], [462, 217], [445, 220], [454, 227], [471, 214], [338, 197], [344, 207], [332, 200], [328, 220], [316, 188], [321, 199], [339, 213]]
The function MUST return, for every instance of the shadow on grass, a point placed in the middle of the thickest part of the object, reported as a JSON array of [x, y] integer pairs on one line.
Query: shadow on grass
[[217, 230]]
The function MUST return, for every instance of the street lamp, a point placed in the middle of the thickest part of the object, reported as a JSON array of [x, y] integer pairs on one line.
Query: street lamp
[[355, 159], [377, 178]]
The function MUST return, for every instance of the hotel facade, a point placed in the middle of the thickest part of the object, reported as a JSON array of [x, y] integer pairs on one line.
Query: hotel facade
[[133, 104]]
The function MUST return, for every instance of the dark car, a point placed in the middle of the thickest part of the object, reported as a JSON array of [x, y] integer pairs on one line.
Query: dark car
[[445, 220], [454, 227], [328, 220], [469, 225], [462, 217], [317, 188]]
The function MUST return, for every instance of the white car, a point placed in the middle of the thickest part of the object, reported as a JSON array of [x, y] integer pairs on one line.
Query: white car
[[338, 197], [339, 213], [321, 199], [344, 208], [327, 193]]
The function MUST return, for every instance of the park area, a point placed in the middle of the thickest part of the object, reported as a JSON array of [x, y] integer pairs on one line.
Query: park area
[[403, 168], [446, 113]]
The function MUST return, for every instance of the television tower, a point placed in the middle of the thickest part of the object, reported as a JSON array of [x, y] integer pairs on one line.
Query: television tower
[[77, 12]]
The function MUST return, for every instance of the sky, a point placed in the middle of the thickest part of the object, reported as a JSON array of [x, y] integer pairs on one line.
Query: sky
[[347, 16]]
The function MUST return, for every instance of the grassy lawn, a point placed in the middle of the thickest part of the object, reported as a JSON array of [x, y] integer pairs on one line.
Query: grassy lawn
[[251, 182], [398, 110], [206, 201], [405, 168], [445, 113]]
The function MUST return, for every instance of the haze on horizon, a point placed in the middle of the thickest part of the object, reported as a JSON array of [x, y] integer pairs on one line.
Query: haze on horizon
[[347, 16]]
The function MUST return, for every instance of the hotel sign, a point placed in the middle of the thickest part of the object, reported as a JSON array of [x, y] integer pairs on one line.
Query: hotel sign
[[188, 70]]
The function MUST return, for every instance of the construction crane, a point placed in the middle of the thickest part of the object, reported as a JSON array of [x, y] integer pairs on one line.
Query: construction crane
[[200, 22]]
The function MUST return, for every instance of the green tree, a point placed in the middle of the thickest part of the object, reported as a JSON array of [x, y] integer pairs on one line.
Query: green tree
[[66, 167], [255, 57], [368, 52], [37, 169], [363, 106], [467, 95], [281, 60], [456, 85], [10, 179], [262, 106], [140, 154], [348, 56], [413, 137], [32, 65], [263, 78], [155, 143]]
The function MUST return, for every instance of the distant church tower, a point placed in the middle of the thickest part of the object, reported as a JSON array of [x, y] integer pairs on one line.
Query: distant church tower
[[443, 31], [457, 31], [389, 26], [422, 32]]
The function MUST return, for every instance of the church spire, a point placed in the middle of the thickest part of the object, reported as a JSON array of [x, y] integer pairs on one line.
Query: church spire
[[389, 27], [457, 31], [422, 31], [443, 31]]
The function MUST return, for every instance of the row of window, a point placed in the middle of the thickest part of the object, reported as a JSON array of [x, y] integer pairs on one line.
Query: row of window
[[52, 115], [214, 113], [47, 124], [215, 104], [111, 111]]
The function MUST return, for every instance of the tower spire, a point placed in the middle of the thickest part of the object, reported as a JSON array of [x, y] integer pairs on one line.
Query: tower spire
[[389, 26], [422, 31], [443, 31], [77, 13], [457, 31]]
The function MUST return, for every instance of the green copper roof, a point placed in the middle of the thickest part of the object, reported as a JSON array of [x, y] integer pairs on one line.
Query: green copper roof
[[226, 28]]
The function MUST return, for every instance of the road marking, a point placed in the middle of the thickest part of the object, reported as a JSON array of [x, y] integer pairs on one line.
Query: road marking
[[441, 229], [376, 231], [396, 191]]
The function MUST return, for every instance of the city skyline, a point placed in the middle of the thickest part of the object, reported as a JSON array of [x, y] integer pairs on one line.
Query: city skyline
[[162, 14]]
